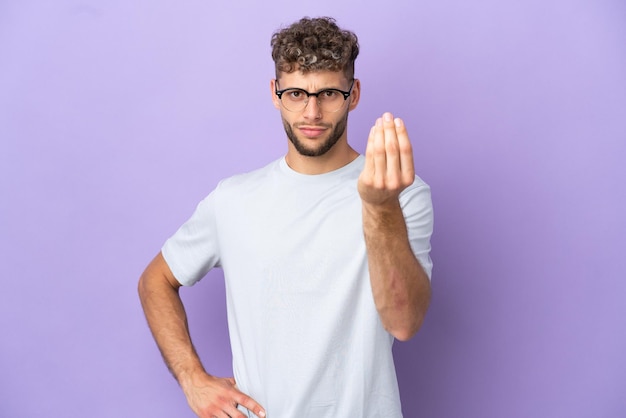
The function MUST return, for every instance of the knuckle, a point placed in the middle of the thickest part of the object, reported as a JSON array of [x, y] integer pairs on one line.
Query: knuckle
[[393, 185], [392, 146], [208, 411]]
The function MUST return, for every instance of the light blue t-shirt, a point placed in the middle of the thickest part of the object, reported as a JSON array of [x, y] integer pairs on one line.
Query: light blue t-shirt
[[305, 334]]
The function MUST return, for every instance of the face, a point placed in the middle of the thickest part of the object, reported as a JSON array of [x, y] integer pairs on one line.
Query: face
[[311, 131]]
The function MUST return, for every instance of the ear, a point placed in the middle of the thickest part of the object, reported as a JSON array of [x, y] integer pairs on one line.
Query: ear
[[355, 96], [275, 98]]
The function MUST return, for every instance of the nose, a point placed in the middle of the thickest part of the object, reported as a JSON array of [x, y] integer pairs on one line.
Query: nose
[[312, 109]]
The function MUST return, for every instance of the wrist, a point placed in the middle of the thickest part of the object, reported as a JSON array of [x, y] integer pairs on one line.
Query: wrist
[[382, 211], [191, 376]]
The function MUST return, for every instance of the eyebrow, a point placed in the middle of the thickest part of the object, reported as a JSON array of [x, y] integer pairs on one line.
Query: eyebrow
[[320, 90]]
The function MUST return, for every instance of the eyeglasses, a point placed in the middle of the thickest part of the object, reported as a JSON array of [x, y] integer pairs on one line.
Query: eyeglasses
[[328, 100]]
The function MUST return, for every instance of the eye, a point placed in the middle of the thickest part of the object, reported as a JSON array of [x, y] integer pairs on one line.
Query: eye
[[295, 94], [330, 94]]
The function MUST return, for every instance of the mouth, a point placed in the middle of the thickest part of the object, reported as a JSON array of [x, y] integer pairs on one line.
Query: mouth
[[311, 131]]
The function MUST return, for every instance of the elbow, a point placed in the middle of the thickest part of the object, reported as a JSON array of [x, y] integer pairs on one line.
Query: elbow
[[404, 334], [407, 331], [142, 287]]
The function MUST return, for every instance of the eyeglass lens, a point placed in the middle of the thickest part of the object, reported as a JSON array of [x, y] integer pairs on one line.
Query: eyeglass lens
[[329, 100]]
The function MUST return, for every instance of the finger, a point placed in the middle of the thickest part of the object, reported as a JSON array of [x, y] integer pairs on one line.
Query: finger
[[223, 414], [368, 168], [392, 152], [250, 404], [380, 157], [233, 412], [406, 153]]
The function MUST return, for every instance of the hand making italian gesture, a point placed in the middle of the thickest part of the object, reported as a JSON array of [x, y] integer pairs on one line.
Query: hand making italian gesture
[[388, 162]]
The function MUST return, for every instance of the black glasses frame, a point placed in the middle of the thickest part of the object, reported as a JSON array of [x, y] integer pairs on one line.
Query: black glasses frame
[[345, 94]]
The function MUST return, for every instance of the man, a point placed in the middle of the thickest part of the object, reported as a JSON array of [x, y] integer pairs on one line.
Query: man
[[325, 254]]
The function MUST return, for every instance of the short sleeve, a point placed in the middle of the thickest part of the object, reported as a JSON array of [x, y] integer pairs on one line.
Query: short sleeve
[[418, 214], [193, 250]]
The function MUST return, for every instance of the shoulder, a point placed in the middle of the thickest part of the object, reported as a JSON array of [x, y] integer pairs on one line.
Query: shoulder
[[247, 180]]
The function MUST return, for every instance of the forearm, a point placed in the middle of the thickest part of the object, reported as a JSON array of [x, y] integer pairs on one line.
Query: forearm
[[167, 320], [400, 286]]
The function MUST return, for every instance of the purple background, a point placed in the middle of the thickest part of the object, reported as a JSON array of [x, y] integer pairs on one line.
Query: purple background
[[117, 117]]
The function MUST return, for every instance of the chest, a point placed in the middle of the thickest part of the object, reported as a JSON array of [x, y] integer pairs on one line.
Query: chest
[[297, 238]]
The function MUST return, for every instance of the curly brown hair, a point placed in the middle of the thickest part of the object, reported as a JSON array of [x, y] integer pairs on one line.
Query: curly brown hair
[[314, 44]]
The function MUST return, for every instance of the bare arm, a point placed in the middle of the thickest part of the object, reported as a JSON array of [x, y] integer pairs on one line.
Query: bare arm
[[400, 286], [208, 396]]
